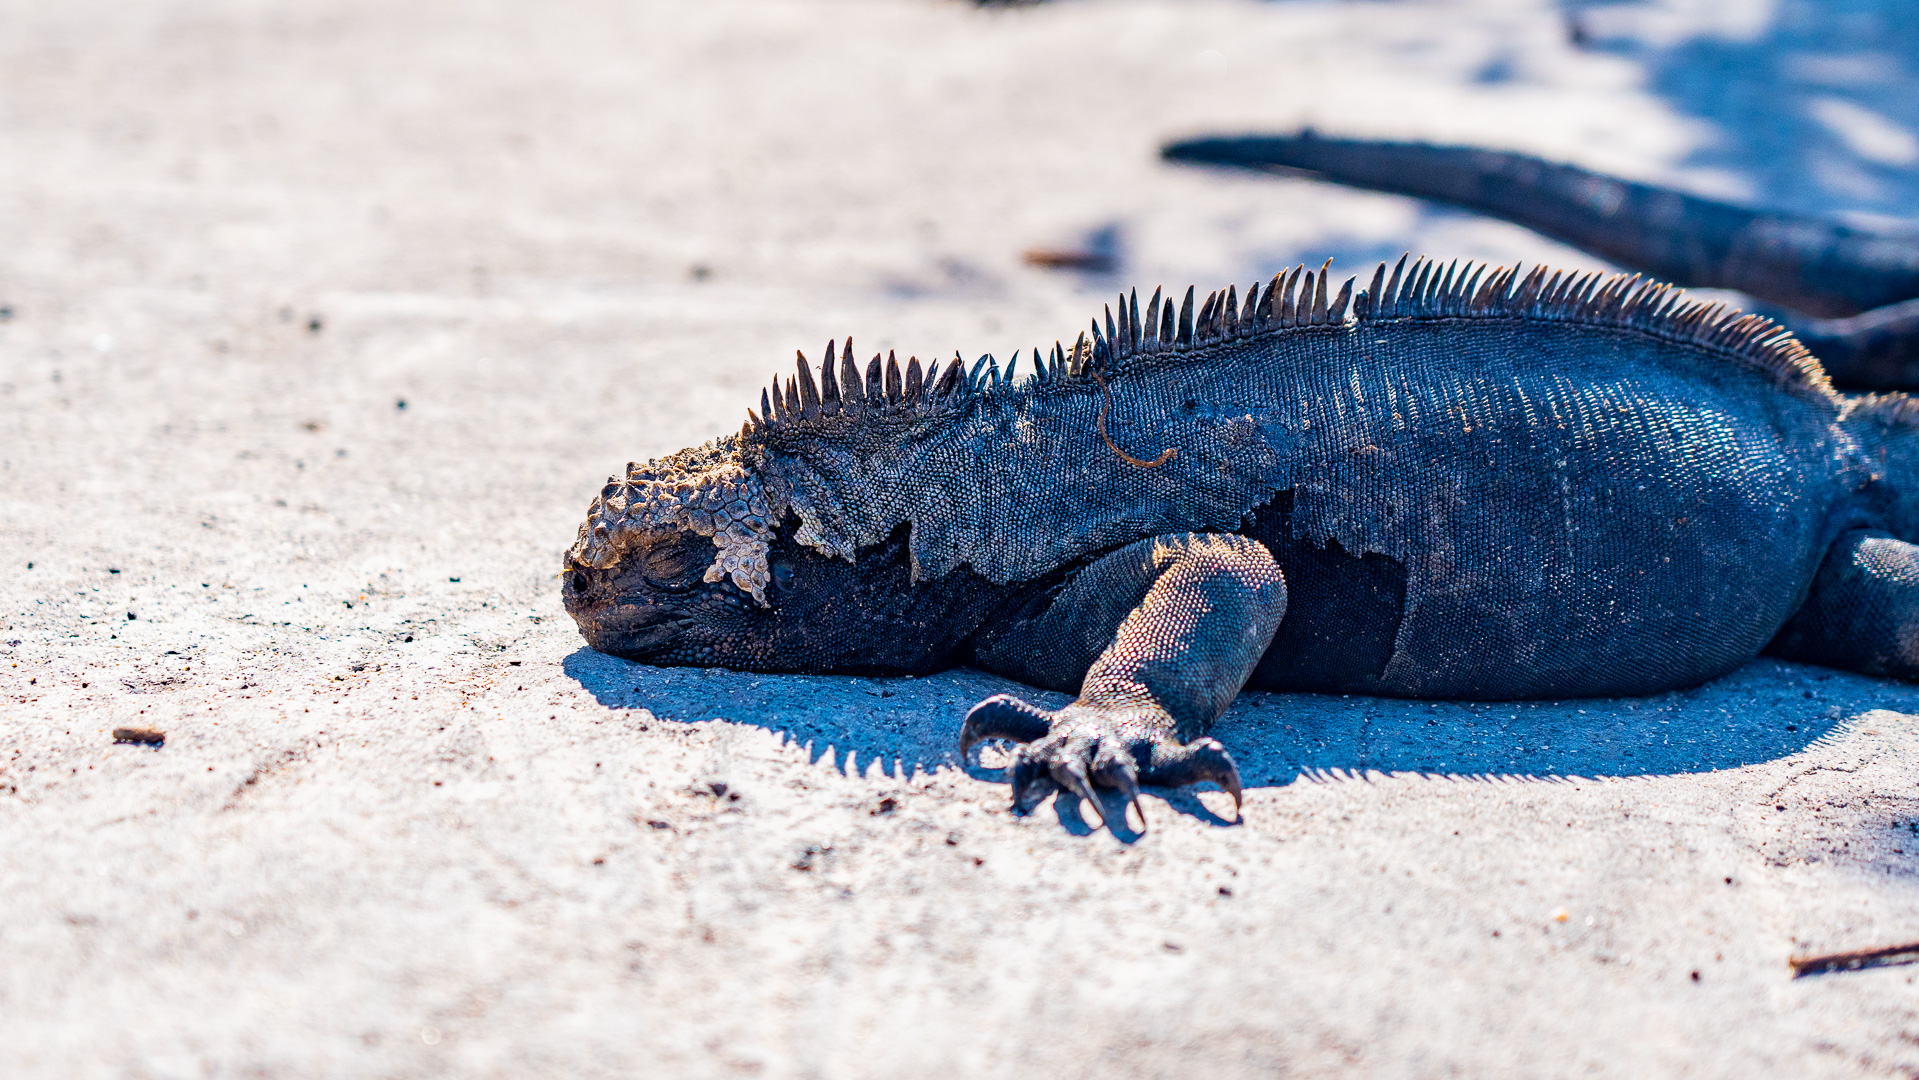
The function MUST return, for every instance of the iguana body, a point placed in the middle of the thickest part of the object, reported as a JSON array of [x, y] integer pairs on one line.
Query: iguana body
[[1850, 294], [1476, 485]]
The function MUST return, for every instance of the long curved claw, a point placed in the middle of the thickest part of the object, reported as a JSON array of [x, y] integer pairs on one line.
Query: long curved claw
[[1031, 780], [1197, 761], [1001, 716], [1070, 773], [1113, 767]]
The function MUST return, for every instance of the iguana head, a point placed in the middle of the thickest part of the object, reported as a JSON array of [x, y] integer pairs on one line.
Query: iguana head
[[698, 558], [672, 561]]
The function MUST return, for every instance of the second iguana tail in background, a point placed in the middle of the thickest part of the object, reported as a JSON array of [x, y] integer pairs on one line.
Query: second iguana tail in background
[[1874, 350], [1810, 265], [1824, 274]]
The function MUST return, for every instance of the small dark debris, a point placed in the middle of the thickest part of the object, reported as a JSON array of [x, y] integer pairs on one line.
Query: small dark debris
[[514, 663], [651, 824], [717, 787], [1052, 259], [1579, 38], [810, 858], [408, 639], [952, 839], [314, 425], [315, 324], [599, 862], [131, 616], [6, 312], [1224, 891], [400, 404], [1779, 808], [454, 580], [886, 806], [1695, 976], [1171, 947], [113, 569], [144, 736], [699, 271]]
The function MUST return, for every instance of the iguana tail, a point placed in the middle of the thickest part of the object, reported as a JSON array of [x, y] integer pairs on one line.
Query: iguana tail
[[1877, 350], [1810, 265]]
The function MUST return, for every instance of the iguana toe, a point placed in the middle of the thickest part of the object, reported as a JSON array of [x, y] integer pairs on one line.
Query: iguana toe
[[1001, 716], [1193, 763], [1031, 780]]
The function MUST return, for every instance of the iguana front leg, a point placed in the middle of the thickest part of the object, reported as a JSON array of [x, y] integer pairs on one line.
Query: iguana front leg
[[1159, 636]]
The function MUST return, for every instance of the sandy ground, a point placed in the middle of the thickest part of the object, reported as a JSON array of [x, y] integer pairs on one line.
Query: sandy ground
[[324, 321]]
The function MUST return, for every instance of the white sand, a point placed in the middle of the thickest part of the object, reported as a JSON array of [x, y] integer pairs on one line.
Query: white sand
[[404, 825]]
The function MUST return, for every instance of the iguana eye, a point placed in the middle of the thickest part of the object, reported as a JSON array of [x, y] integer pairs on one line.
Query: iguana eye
[[674, 566]]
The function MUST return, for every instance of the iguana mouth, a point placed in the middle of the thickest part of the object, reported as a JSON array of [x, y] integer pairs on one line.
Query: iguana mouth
[[630, 629]]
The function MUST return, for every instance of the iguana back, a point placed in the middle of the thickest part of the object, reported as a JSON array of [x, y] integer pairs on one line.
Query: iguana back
[[1567, 470]]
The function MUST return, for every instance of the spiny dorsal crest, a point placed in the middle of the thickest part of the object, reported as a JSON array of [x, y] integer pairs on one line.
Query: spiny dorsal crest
[[1293, 301], [1592, 298]]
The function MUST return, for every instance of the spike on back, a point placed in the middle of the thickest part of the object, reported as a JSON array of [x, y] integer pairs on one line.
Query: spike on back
[[1296, 299], [829, 384]]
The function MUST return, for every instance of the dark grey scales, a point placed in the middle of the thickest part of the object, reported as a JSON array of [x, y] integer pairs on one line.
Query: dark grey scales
[[1467, 483], [1851, 295]]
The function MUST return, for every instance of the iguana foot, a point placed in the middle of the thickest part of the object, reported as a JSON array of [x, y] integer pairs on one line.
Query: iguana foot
[[1083, 747]]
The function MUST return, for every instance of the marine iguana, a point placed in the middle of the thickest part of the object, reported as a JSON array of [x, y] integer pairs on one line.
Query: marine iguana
[[1851, 295], [1462, 482]]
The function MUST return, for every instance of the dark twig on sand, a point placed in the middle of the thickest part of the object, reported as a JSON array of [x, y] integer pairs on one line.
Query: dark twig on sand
[[1856, 959]]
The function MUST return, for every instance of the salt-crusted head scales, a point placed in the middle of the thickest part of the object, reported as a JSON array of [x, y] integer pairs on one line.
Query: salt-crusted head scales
[[706, 491]]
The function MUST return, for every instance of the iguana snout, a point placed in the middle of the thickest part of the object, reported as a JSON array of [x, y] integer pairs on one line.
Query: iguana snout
[[615, 612]]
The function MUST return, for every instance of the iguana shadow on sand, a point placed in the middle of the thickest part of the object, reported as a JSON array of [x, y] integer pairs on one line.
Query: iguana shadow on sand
[[904, 725], [1457, 483]]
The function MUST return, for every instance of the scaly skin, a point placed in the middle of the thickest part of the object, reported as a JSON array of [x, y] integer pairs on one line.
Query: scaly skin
[[1473, 484], [1848, 293]]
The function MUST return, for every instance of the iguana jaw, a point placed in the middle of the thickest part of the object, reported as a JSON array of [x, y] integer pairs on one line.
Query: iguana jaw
[[629, 629]]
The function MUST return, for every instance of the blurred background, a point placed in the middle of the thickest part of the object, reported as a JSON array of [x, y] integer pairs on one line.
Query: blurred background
[[687, 193]]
